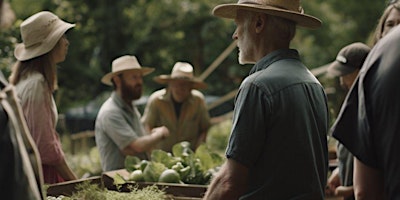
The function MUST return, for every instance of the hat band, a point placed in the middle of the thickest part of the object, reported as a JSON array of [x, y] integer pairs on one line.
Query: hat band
[[249, 2], [33, 45], [300, 9], [181, 77]]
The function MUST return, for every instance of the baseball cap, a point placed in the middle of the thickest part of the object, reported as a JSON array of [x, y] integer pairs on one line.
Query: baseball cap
[[349, 59]]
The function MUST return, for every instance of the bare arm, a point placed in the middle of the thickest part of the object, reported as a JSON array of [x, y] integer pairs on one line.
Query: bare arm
[[368, 182], [65, 172], [147, 142], [230, 183], [344, 191]]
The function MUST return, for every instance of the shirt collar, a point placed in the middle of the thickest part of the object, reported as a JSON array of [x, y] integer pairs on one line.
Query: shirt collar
[[274, 56], [168, 96], [121, 103]]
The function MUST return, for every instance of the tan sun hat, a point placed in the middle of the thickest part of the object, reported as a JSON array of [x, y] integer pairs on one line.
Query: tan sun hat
[[181, 71], [40, 33], [288, 9], [122, 64]]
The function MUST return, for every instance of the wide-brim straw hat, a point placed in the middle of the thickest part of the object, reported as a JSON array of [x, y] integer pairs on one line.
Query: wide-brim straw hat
[[288, 9], [181, 71], [40, 33], [122, 64]]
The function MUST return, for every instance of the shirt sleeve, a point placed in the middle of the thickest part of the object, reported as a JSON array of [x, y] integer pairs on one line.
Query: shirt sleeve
[[117, 128], [39, 110], [249, 132], [150, 113], [204, 116]]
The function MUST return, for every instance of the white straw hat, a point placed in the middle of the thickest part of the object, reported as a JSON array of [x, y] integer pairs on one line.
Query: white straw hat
[[40, 33], [181, 71], [125, 63], [288, 9]]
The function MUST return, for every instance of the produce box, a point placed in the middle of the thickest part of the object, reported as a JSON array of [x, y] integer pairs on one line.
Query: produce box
[[68, 187], [178, 191]]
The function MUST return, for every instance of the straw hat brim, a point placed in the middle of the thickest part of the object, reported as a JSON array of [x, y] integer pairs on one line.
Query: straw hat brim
[[22, 53], [304, 20], [107, 78], [165, 79]]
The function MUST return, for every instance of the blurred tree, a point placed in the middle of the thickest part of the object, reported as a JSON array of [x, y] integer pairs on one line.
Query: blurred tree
[[161, 32]]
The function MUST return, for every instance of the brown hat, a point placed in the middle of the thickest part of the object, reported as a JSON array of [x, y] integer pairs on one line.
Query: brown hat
[[40, 33], [181, 71], [122, 64], [288, 9], [349, 59]]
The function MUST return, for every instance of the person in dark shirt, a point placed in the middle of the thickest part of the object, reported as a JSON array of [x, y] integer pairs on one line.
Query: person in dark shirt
[[278, 143], [370, 116], [346, 66], [20, 170]]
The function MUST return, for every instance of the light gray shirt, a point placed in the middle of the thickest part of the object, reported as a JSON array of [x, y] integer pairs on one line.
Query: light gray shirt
[[117, 125]]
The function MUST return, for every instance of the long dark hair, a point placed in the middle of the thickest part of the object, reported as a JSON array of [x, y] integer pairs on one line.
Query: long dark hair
[[41, 64]]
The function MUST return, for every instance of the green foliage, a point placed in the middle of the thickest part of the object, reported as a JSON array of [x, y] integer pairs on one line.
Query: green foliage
[[169, 176], [118, 179], [161, 32], [137, 176], [8, 40], [132, 163], [84, 163], [165, 158], [191, 167], [153, 171], [88, 191], [182, 149], [218, 135], [208, 158]]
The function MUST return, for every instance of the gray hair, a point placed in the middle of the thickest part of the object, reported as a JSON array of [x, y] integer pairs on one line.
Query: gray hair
[[286, 29]]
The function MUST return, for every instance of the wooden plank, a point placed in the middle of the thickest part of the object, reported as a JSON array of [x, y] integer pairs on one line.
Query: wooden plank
[[69, 187], [82, 135], [222, 99], [218, 61]]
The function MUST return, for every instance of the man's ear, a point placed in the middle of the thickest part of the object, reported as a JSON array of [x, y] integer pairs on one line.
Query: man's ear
[[260, 21], [117, 80]]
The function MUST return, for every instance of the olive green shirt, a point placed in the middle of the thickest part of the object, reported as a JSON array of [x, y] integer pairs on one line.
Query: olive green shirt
[[193, 120]]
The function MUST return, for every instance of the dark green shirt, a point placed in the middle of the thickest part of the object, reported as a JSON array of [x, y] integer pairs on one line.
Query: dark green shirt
[[279, 129]]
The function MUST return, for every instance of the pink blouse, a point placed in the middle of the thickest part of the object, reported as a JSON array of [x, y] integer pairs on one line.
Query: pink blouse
[[41, 115]]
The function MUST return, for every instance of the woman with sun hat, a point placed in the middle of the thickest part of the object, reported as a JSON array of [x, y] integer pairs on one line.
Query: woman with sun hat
[[44, 44]]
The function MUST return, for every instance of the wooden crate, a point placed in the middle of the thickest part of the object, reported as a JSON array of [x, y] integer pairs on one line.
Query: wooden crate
[[178, 191], [69, 187]]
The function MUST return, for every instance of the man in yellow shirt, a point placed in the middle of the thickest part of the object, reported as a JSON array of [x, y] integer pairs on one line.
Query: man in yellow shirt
[[180, 107]]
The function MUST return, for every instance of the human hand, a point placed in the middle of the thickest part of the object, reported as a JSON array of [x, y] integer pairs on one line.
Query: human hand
[[333, 183], [162, 131]]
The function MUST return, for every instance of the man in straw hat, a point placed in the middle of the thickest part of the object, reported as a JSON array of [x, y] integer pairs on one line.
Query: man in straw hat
[[278, 146], [118, 129], [180, 107]]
